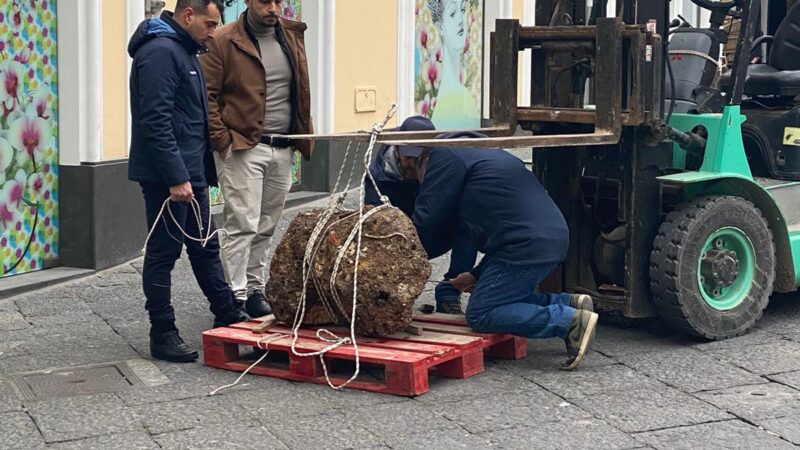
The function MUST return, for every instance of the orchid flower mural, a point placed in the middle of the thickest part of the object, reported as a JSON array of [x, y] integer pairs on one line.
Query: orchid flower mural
[[448, 62], [28, 135]]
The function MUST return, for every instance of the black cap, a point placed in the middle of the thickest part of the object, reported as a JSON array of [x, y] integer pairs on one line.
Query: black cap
[[414, 123]]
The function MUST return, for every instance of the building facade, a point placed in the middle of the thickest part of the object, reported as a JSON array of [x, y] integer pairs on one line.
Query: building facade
[[65, 125]]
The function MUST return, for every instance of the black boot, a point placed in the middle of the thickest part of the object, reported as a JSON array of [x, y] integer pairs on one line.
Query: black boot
[[231, 316], [257, 305], [166, 344]]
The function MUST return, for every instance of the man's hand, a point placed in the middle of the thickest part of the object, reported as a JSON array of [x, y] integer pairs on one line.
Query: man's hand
[[464, 282], [181, 193]]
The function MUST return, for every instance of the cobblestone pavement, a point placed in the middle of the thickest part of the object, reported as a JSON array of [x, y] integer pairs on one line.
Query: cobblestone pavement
[[637, 388]]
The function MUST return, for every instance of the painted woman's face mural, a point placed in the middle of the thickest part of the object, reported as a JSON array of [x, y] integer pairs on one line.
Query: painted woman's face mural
[[452, 27], [28, 136], [448, 62]]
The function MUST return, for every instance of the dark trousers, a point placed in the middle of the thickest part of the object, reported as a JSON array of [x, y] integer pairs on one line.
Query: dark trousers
[[164, 248], [505, 301]]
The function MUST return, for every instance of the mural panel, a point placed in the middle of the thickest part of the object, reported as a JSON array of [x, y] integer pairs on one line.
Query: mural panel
[[28, 136], [448, 62]]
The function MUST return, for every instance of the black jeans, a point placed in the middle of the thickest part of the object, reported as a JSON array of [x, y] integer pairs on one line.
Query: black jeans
[[164, 248]]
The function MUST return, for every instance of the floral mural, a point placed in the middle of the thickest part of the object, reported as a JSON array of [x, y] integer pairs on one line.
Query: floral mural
[[233, 9], [28, 135], [448, 62]]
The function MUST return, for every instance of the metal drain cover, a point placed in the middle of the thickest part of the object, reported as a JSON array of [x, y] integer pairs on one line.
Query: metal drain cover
[[75, 381]]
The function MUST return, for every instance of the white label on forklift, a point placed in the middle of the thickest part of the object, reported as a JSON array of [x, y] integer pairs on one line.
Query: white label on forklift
[[648, 53], [791, 136]]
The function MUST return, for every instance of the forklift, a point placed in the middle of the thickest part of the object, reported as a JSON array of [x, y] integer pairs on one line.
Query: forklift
[[678, 174]]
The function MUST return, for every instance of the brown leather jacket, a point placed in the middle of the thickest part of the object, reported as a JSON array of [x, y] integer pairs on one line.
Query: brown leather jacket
[[237, 86]]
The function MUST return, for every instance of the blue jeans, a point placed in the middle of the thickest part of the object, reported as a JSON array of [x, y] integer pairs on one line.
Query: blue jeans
[[504, 301], [165, 246]]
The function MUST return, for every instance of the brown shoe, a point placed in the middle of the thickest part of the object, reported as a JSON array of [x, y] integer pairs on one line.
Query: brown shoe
[[580, 335], [582, 301]]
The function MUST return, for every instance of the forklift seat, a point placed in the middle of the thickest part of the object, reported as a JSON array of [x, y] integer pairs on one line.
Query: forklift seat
[[781, 76]]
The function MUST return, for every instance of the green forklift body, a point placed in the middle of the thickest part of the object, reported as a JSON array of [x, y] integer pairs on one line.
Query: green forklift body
[[725, 171]]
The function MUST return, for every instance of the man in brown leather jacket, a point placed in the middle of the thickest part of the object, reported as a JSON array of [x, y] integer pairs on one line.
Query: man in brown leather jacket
[[258, 86]]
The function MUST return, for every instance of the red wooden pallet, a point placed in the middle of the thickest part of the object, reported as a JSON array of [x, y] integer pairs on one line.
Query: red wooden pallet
[[446, 347]]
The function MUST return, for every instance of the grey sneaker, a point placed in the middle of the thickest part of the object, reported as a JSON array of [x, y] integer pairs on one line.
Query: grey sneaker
[[582, 301], [580, 335]]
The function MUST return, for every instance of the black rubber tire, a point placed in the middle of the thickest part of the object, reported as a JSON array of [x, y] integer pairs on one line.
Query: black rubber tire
[[673, 266]]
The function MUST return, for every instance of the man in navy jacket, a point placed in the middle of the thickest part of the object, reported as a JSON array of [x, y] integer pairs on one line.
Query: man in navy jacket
[[386, 169], [508, 216], [171, 158]]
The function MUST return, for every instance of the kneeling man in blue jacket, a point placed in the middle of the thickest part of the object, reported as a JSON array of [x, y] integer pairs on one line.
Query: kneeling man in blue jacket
[[386, 169], [503, 210]]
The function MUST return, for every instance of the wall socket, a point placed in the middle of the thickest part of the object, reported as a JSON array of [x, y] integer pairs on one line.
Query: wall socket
[[366, 99]]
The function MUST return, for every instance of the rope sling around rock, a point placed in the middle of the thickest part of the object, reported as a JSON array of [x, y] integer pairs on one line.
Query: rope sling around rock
[[336, 200]]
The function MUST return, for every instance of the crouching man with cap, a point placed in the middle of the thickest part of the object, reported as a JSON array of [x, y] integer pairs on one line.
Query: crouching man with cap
[[503, 210], [401, 190]]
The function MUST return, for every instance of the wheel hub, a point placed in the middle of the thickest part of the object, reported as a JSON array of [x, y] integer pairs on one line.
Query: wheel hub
[[720, 267]]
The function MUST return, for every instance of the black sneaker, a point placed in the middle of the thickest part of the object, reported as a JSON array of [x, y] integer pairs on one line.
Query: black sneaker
[[233, 315], [168, 346], [449, 308], [257, 305], [580, 335]]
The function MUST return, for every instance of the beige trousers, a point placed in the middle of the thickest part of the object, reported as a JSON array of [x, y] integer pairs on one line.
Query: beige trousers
[[254, 184]]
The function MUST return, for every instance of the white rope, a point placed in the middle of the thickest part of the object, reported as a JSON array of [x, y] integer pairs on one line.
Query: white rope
[[266, 340], [203, 240], [311, 249]]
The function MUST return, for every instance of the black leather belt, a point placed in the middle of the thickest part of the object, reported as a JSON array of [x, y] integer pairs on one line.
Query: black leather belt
[[280, 142]]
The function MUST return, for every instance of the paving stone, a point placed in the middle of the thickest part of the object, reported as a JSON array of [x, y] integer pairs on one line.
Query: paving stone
[[579, 434], [66, 419], [335, 430], [612, 341], [791, 379], [754, 337], [400, 419], [730, 434], [292, 400], [690, 370], [181, 415], [53, 303], [495, 380], [763, 401], [547, 355], [594, 380], [510, 411], [775, 357], [8, 398], [18, 431], [8, 305], [230, 436], [134, 440], [450, 439], [647, 409], [13, 321], [786, 427], [345, 398], [61, 319]]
